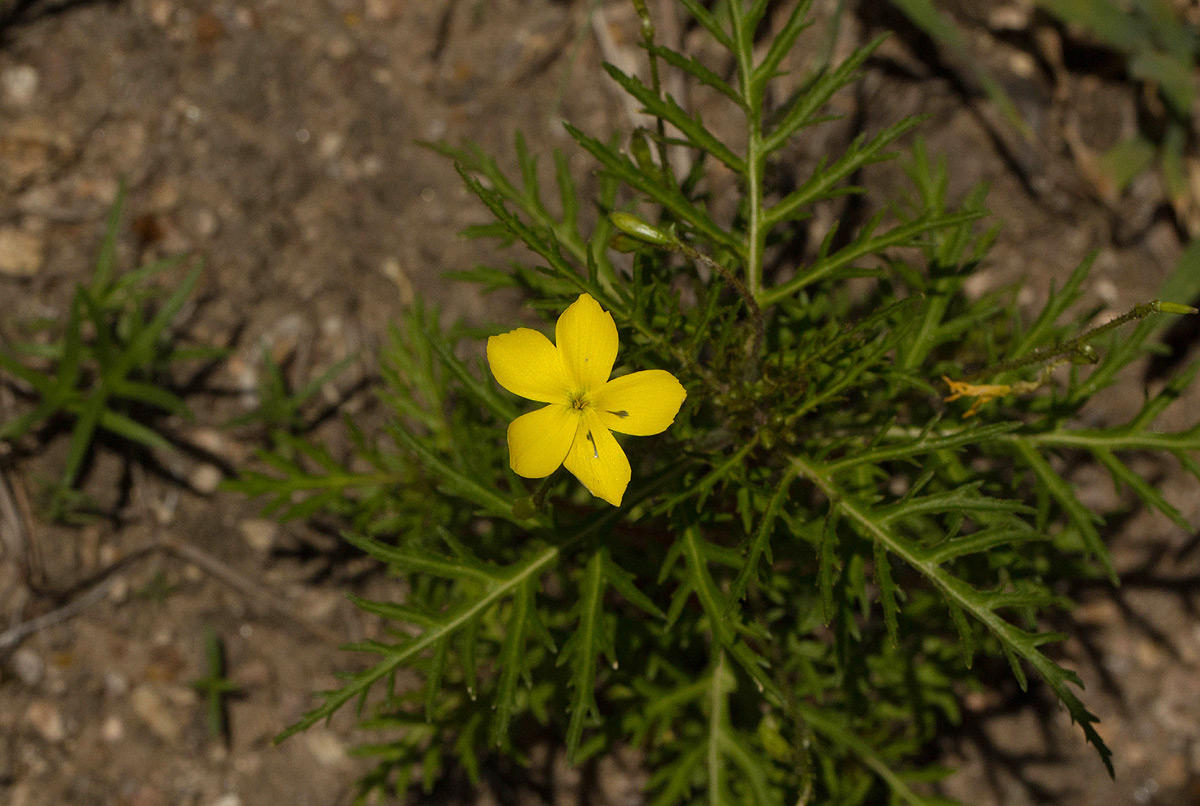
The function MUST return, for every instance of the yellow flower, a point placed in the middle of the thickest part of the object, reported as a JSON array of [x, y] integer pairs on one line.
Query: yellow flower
[[585, 407]]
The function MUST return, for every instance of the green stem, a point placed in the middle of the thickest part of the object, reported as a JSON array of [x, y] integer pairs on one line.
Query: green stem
[[539, 495], [655, 84], [756, 229], [754, 347], [716, 710], [1078, 346]]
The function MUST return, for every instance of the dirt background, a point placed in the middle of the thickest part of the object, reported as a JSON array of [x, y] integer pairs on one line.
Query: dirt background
[[276, 140]]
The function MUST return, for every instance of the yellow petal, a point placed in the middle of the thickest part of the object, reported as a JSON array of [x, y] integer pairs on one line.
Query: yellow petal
[[643, 403], [527, 364], [597, 460], [538, 442], [587, 341]]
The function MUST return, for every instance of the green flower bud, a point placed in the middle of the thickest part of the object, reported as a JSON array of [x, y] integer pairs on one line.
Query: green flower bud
[[635, 227], [1173, 307]]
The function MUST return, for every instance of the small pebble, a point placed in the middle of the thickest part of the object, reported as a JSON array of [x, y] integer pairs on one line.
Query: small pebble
[[161, 12], [206, 223], [116, 685], [28, 666], [319, 605], [1149, 655], [326, 747], [113, 730], [1107, 290], [340, 47], [228, 799], [20, 84], [46, 720], [119, 590], [153, 710], [205, 479], [21, 252], [259, 534]]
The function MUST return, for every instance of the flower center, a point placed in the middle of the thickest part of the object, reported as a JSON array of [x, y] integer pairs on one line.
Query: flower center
[[579, 401]]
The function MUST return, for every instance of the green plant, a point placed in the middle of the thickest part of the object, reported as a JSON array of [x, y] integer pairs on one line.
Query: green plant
[[814, 561], [280, 410], [108, 370], [215, 687]]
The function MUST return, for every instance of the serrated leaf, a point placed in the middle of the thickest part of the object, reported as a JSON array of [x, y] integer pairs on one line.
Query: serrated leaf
[[760, 543], [1016, 643], [419, 561], [582, 649], [698, 71], [669, 110], [802, 109], [781, 43], [826, 180], [668, 196], [1080, 516], [907, 234], [396, 655], [887, 591], [510, 663], [622, 582]]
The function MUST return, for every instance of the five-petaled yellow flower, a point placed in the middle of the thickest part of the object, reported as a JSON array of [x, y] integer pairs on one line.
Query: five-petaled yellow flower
[[585, 407]]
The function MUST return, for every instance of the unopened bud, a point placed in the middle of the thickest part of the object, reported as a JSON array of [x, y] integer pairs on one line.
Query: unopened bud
[[635, 227], [1173, 307]]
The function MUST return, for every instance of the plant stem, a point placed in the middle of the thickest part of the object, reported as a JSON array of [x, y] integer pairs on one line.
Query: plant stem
[[655, 84], [756, 231], [1078, 346], [716, 711], [754, 348]]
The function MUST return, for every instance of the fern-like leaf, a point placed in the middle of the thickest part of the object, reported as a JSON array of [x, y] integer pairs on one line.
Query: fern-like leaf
[[1017, 644]]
